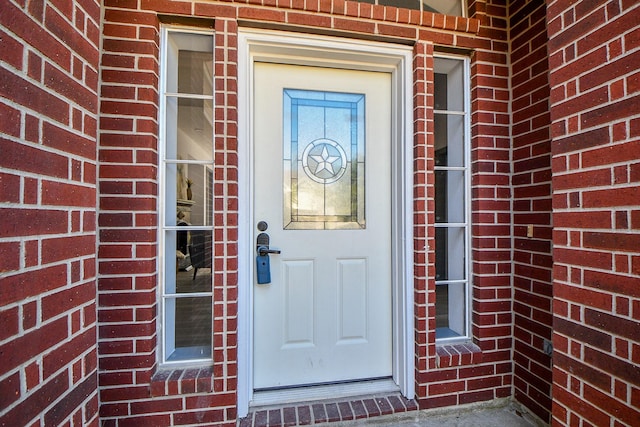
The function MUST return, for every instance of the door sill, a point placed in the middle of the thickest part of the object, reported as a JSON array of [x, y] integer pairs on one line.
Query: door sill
[[323, 392]]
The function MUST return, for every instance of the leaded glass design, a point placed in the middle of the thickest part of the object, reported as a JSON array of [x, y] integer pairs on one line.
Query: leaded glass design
[[324, 160]]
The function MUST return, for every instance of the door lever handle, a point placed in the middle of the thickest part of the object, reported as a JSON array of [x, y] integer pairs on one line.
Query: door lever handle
[[263, 267], [264, 250]]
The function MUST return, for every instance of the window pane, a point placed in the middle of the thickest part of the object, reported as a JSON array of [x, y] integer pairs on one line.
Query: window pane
[[449, 140], [446, 7], [450, 203], [454, 88], [407, 4], [188, 195], [193, 254], [450, 310], [450, 253], [188, 323], [440, 90], [190, 64], [189, 128]]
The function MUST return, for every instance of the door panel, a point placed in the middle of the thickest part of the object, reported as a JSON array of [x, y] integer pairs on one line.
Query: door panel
[[322, 184], [298, 320], [352, 300]]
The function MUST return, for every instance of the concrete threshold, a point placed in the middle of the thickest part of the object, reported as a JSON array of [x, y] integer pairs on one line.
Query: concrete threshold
[[497, 413]]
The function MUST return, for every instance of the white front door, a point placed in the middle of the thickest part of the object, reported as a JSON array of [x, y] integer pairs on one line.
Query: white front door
[[322, 174]]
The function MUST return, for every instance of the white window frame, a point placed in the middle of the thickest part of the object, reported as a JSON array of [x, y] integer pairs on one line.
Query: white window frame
[[166, 262], [461, 309]]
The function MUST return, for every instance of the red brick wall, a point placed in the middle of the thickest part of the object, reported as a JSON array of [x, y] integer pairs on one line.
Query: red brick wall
[[48, 118], [594, 50], [48, 114], [130, 393], [531, 183]]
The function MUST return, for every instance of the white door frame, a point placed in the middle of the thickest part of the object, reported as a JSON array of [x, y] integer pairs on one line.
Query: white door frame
[[333, 52]]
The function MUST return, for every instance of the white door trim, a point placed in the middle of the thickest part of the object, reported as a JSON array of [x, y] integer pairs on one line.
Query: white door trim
[[304, 49]]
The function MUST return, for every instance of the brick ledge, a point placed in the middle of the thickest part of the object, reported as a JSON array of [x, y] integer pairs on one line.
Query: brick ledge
[[449, 355], [170, 382]]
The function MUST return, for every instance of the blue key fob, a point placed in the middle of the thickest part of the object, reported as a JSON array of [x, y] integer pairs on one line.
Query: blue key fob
[[263, 269]]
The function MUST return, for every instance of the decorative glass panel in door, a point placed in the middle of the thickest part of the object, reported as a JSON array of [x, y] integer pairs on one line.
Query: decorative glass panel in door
[[323, 160]]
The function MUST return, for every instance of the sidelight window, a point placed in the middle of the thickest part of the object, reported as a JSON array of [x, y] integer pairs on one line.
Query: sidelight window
[[452, 191], [186, 202]]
